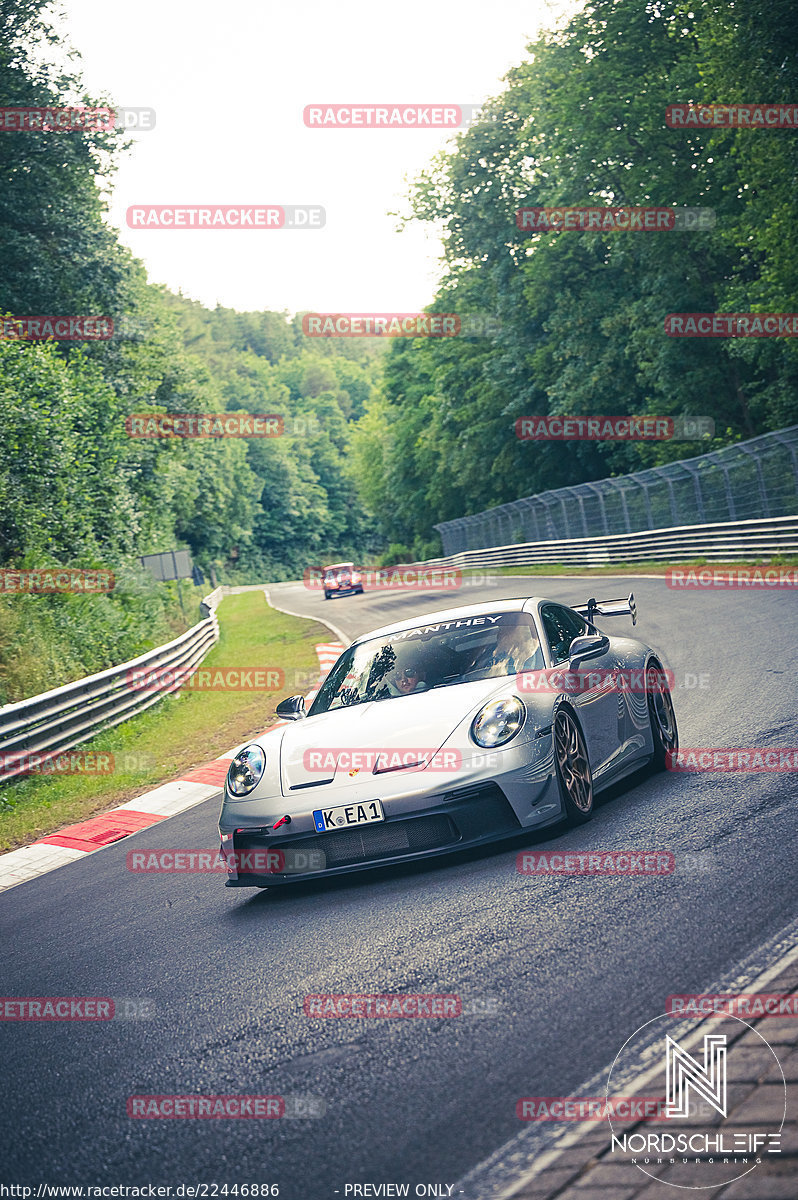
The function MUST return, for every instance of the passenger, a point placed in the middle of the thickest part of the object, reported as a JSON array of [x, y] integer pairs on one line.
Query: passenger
[[516, 649]]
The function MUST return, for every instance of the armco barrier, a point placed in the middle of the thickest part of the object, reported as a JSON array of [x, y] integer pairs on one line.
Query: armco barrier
[[57, 721], [755, 480], [726, 542]]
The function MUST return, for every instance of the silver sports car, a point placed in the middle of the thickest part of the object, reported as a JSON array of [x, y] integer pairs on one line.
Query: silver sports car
[[446, 731]]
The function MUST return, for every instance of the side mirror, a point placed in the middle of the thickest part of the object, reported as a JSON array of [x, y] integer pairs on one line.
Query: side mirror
[[592, 645], [292, 709]]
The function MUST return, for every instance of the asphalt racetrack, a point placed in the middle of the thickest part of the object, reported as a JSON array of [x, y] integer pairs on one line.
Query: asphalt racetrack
[[557, 972]]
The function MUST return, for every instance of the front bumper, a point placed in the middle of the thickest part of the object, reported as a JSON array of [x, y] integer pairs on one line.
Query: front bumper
[[462, 817]]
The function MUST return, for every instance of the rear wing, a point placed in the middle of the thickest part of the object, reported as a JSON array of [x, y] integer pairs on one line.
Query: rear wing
[[625, 607]]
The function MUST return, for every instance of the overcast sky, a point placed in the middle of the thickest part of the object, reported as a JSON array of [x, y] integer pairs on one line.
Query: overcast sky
[[229, 81]]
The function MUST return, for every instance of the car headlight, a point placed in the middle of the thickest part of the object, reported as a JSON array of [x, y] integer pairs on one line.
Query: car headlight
[[498, 721], [246, 770]]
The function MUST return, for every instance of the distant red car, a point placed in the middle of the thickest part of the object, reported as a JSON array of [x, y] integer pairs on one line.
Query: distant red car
[[340, 578]]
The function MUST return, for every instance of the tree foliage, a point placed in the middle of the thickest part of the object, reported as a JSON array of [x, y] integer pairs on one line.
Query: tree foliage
[[378, 448], [581, 314], [75, 488]]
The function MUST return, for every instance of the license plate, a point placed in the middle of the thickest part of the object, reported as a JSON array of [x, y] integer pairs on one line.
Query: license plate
[[348, 815]]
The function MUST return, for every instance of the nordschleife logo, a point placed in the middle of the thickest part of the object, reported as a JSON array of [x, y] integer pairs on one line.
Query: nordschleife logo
[[722, 1101], [683, 1073]]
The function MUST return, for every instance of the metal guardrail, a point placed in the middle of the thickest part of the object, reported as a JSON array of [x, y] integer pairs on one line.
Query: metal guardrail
[[57, 721], [722, 542], [747, 481]]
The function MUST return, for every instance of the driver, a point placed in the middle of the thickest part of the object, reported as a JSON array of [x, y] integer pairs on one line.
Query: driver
[[409, 674]]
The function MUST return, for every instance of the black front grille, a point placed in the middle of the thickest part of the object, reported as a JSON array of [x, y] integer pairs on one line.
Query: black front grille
[[476, 812], [387, 840]]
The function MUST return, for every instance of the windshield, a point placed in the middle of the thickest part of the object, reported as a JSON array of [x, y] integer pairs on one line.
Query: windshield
[[431, 656]]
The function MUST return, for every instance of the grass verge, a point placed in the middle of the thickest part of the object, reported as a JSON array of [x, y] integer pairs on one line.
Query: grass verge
[[181, 732]]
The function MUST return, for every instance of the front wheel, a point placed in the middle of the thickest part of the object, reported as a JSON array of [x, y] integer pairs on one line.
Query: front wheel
[[574, 776], [661, 716]]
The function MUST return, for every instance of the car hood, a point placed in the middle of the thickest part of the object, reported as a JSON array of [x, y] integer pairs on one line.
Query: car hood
[[322, 750]]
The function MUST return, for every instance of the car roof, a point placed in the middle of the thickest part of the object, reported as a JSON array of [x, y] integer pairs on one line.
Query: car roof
[[335, 566], [516, 604]]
